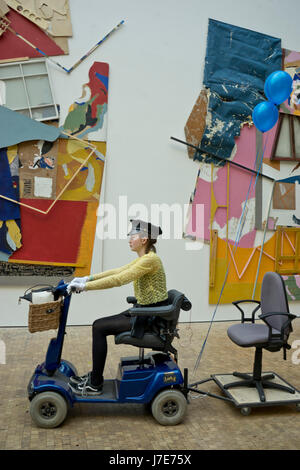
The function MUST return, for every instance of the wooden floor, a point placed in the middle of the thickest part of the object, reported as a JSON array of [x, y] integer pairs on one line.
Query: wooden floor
[[209, 423]]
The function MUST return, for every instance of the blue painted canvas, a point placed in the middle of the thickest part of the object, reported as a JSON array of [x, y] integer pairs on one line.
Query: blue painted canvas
[[237, 63]]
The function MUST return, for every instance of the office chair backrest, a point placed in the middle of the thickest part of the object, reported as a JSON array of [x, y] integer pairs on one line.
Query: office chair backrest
[[274, 299]]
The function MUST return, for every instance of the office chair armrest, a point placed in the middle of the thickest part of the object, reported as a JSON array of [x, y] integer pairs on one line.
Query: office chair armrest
[[152, 311], [252, 319], [290, 318]]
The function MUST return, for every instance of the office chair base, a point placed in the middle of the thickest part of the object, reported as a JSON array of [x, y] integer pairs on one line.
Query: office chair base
[[245, 395], [260, 385]]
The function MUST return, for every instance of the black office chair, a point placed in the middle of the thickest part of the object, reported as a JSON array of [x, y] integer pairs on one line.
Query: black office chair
[[272, 335], [162, 330]]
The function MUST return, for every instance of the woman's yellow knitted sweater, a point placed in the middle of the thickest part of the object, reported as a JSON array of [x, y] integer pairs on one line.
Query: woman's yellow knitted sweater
[[146, 272]]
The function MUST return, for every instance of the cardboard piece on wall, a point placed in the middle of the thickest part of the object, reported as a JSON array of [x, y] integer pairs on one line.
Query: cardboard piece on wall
[[52, 16], [4, 24], [29, 14], [3, 8], [196, 122], [284, 196], [56, 14], [38, 160]]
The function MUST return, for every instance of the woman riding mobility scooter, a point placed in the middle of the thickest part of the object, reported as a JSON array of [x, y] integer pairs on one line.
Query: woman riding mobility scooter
[[151, 379], [150, 323]]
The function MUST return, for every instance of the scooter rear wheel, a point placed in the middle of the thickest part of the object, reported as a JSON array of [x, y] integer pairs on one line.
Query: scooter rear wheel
[[48, 409], [169, 407]]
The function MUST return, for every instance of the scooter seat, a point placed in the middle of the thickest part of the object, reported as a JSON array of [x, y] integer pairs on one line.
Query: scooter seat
[[149, 340]]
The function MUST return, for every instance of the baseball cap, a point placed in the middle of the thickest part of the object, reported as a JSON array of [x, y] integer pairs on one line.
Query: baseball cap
[[145, 228]]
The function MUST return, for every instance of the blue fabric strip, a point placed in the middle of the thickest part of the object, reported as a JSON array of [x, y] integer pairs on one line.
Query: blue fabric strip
[[9, 187]]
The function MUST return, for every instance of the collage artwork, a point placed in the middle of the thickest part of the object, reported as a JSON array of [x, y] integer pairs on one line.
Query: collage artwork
[[250, 226], [51, 166], [52, 157]]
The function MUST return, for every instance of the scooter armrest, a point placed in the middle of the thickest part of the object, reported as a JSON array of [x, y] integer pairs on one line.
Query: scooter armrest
[[152, 311], [131, 300]]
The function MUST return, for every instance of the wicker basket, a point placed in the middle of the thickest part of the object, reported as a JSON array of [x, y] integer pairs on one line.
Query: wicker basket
[[42, 317]]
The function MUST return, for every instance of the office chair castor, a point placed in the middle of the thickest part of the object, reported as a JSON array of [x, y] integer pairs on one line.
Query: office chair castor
[[246, 410]]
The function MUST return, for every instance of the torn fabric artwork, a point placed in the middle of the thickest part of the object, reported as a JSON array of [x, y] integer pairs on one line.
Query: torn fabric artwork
[[237, 63]]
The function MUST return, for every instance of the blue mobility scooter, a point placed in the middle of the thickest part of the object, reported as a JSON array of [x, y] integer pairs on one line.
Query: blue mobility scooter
[[153, 379]]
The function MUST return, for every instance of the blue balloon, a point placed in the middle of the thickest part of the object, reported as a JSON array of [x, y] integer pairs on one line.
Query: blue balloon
[[278, 87], [265, 115]]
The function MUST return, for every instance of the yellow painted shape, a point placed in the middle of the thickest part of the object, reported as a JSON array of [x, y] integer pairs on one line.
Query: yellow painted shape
[[14, 232], [235, 288], [12, 152], [71, 155], [85, 252]]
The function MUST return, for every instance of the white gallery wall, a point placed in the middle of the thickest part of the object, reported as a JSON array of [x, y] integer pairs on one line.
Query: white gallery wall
[[156, 69]]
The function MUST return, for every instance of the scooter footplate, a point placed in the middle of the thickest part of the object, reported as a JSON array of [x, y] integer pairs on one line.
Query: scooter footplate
[[108, 395]]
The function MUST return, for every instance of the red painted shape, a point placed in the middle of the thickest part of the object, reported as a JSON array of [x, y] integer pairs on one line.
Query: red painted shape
[[54, 237], [12, 47]]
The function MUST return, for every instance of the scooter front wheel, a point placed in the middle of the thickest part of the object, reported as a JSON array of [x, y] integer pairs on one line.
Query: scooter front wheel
[[169, 407], [48, 409]]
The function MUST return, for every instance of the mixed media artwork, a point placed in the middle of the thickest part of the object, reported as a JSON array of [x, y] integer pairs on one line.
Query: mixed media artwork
[[50, 173], [243, 211]]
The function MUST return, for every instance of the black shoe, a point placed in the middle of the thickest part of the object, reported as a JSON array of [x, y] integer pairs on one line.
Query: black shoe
[[86, 389], [77, 379]]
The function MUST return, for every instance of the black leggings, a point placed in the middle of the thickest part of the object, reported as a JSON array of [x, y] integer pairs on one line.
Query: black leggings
[[103, 327]]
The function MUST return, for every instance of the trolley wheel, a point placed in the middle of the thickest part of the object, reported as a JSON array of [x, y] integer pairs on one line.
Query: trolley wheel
[[48, 409], [246, 410], [169, 407], [298, 406]]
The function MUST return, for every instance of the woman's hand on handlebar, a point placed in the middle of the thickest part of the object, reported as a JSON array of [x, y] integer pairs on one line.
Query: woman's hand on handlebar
[[77, 285]]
